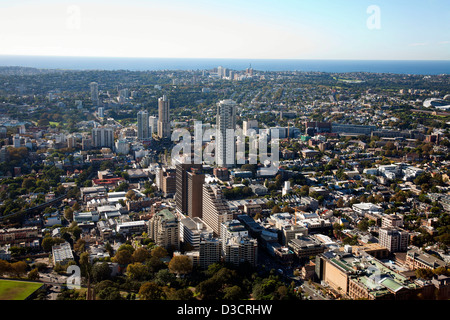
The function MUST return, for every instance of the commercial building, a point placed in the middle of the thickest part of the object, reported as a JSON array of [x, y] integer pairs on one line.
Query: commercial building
[[366, 208], [131, 227], [80, 217], [62, 253], [314, 127], [351, 129], [364, 277], [248, 125], [305, 246], [122, 146], [417, 259]]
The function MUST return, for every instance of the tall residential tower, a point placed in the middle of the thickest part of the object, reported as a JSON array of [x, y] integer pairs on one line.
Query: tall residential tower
[[225, 133], [163, 118]]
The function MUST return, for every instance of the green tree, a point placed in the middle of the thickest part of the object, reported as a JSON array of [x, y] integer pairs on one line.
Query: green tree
[[101, 272], [150, 291], [122, 257], [33, 274], [19, 268], [180, 265], [140, 255], [159, 252], [137, 271], [164, 277], [233, 293]]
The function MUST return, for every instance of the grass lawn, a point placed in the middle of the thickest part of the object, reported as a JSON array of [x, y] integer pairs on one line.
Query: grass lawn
[[17, 290]]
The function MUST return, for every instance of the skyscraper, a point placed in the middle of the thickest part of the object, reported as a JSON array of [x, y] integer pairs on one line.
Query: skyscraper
[[163, 118], [143, 129], [94, 92], [195, 179], [181, 195], [225, 138], [153, 124]]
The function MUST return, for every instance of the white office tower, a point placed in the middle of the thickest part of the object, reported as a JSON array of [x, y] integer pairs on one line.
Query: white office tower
[[286, 189], [122, 146], [103, 137], [153, 124], [163, 118], [249, 124], [78, 104], [94, 92], [16, 141], [143, 130], [225, 133], [100, 112], [220, 71]]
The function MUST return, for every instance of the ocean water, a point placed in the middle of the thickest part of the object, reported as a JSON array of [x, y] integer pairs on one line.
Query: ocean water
[[423, 67]]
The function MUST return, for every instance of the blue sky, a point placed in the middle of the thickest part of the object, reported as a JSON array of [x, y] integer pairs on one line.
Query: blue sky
[[266, 29]]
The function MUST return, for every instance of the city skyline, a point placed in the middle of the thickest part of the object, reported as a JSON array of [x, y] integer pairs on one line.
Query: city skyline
[[380, 30]]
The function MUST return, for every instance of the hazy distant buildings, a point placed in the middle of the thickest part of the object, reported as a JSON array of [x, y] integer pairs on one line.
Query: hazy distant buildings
[[352, 129], [16, 141], [249, 124], [225, 133], [100, 112], [314, 127], [94, 93], [163, 118]]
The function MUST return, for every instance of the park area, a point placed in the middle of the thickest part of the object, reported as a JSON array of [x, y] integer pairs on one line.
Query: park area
[[17, 290]]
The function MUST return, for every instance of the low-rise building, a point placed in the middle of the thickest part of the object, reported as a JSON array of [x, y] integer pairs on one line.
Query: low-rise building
[[417, 259], [305, 246], [62, 253], [131, 227]]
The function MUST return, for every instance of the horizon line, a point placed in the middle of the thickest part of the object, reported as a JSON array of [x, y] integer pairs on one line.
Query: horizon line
[[215, 58]]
